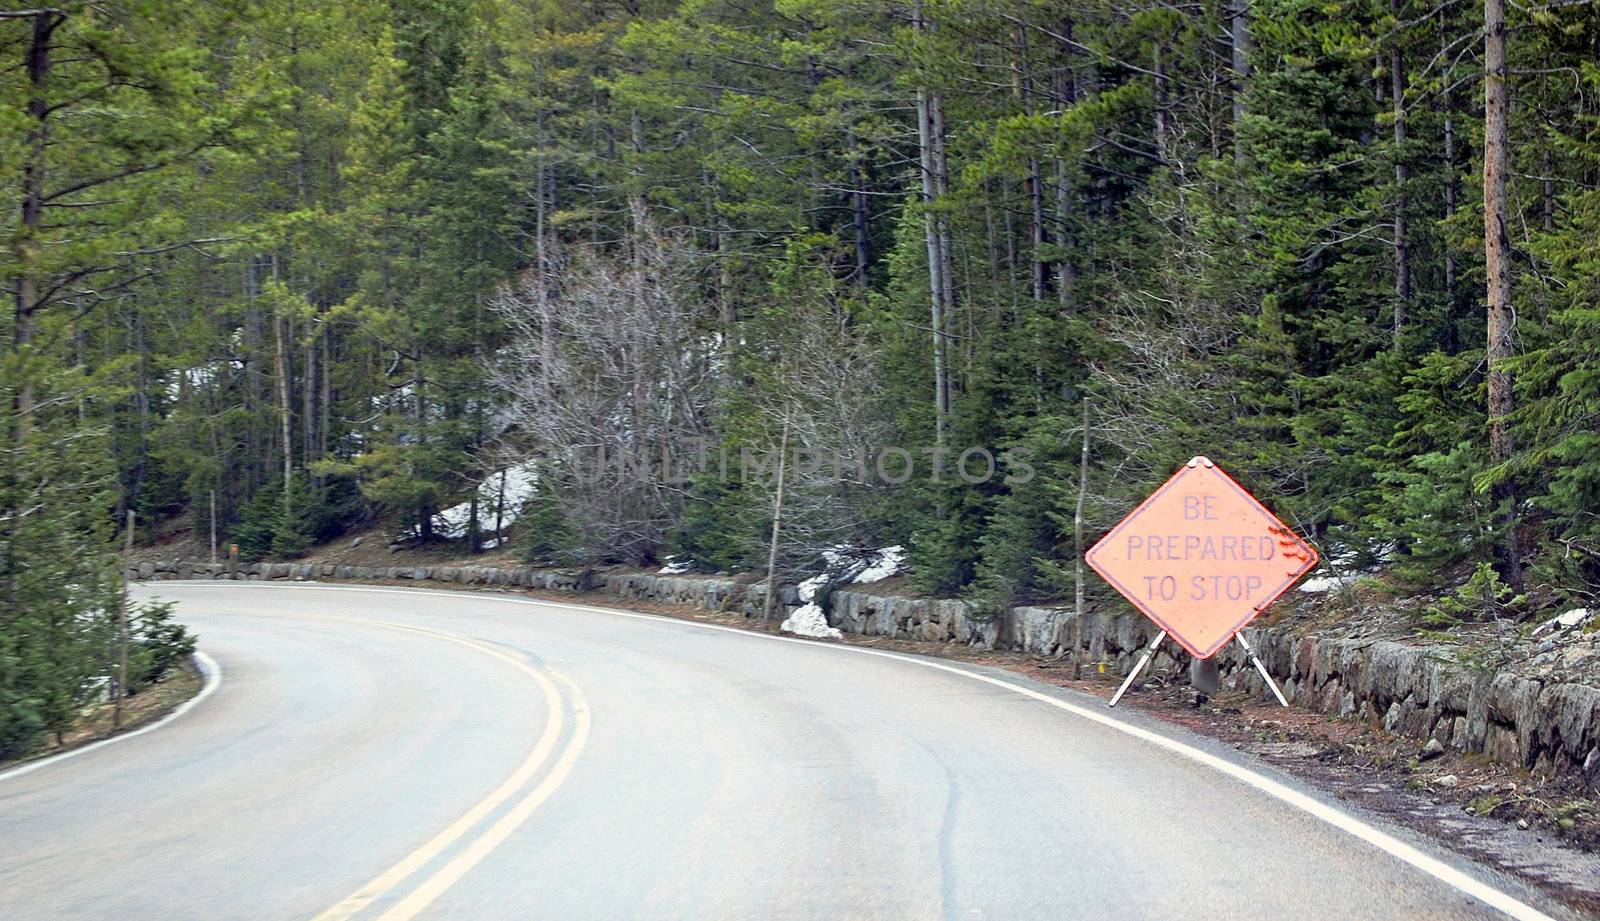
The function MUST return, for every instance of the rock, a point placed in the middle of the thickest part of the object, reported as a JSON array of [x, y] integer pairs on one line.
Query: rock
[[1432, 750], [1522, 824], [357, 542], [1447, 781]]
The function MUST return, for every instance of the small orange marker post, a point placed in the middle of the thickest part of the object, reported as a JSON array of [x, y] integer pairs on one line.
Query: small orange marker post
[[1201, 558]]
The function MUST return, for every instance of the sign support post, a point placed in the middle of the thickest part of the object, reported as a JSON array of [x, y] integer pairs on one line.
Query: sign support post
[[1145, 660], [1261, 668]]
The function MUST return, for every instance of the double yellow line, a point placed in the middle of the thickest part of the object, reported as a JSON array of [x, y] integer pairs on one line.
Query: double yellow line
[[441, 879]]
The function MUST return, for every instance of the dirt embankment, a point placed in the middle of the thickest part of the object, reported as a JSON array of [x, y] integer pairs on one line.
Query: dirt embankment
[[148, 705]]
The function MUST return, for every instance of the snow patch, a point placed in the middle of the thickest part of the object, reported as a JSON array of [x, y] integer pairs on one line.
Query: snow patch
[[1327, 583], [520, 482], [808, 620], [890, 561], [1573, 618], [675, 567], [845, 565]]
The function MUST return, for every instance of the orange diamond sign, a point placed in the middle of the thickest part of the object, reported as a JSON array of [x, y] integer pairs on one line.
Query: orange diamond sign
[[1201, 557]]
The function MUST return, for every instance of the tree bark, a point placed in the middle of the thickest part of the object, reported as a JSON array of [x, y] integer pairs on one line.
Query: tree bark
[[1066, 93], [1159, 67], [280, 372], [308, 398], [777, 524], [38, 64], [1077, 514], [926, 103], [947, 272], [1402, 251], [1497, 267], [1452, 196], [859, 214], [325, 419], [1033, 182], [1239, 40]]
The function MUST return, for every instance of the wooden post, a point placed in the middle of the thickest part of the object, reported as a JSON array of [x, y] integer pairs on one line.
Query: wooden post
[[1077, 516], [122, 628], [777, 519]]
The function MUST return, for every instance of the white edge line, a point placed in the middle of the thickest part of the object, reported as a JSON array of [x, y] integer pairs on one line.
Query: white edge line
[[213, 675], [1409, 854]]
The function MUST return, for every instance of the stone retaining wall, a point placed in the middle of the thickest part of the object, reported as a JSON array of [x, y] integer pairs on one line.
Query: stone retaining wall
[[1418, 691], [717, 594]]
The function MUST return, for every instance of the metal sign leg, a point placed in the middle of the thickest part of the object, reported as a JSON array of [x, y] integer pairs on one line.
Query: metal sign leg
[[1261, 668], [1143, 661]]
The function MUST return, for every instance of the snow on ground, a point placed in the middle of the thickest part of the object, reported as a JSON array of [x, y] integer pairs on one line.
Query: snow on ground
[[675, 567], [844, 566], [1573, 618], [520, 481], [808, 620], [1326, 583], [808, 588], [890, 561], [1340, 570]]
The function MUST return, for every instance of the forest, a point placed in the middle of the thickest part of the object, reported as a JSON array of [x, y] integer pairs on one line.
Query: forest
[[281, 270]]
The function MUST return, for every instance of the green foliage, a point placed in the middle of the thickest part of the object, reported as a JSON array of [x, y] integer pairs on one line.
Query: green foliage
[[542, 532], [258, 524], [270, 527], [719, 528], [1484, 596], [159, 644], [296, 527]]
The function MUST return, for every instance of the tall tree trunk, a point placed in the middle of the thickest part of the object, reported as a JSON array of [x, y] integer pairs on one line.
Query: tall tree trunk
[[544, 264], [941, 178], [325, 417], [1159, 68], [255, 387], [1452, 197], [1547, 192], [777, 526], [1239, 42], [1402, 250], [308, 398], [1033, 182], [281, 371], [1497, 267], [927, 161], [420, 417], [860, 215], [1066, 95], [38, 64]]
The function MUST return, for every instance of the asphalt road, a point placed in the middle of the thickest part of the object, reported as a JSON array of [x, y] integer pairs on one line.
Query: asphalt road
[[397, 753]]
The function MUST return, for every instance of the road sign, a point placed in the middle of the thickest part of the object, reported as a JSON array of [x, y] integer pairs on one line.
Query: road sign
[[1201, 557]]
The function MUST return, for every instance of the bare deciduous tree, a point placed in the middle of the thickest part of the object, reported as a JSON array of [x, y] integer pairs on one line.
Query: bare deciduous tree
[[611, 374]]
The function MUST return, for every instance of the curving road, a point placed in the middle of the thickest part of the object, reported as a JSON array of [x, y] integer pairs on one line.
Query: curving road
[[391, 753]]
